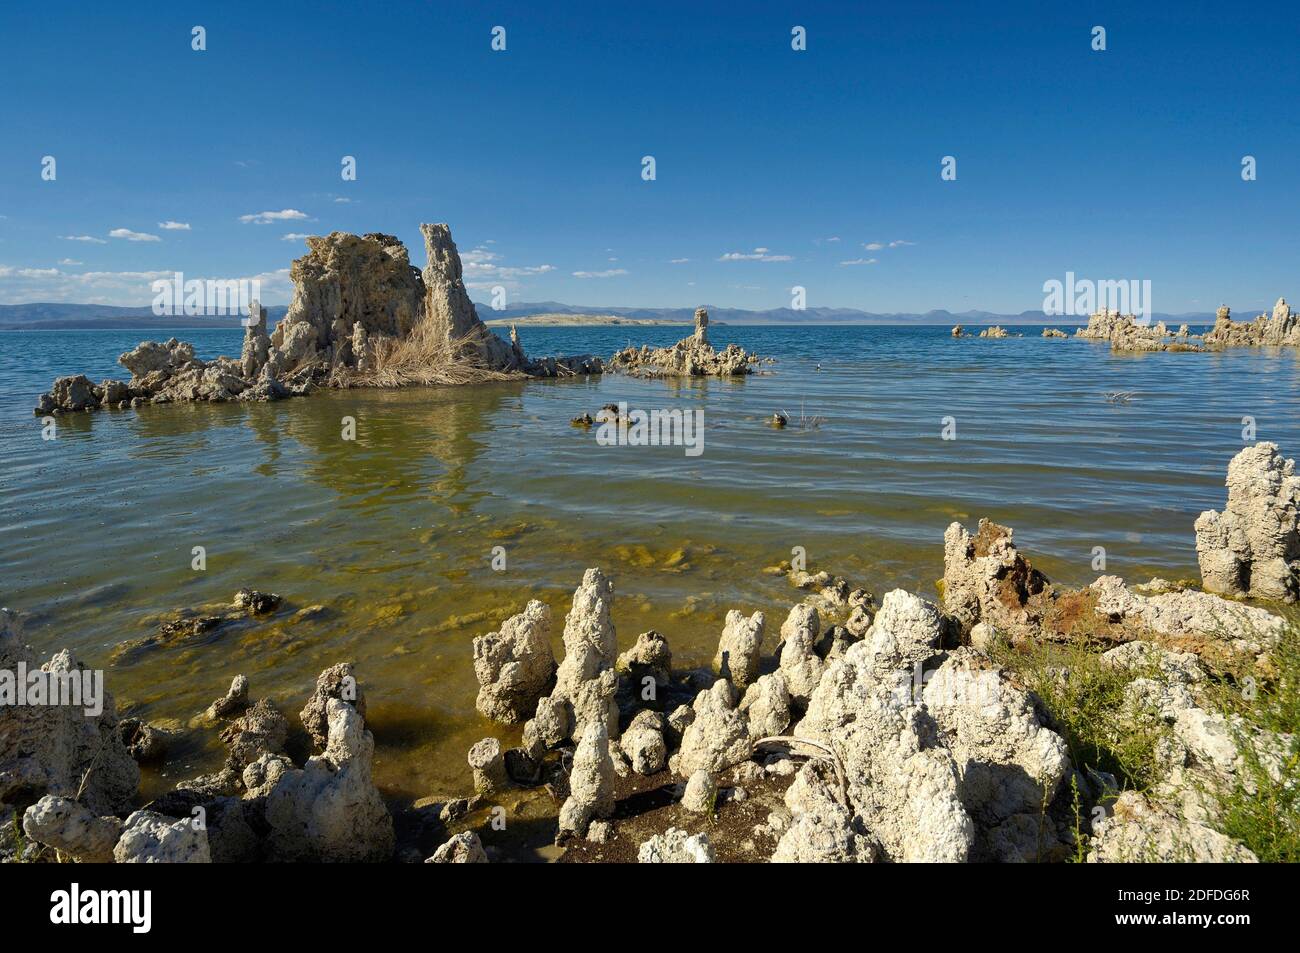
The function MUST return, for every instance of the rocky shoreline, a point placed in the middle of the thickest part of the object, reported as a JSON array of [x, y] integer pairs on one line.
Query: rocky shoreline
[[892, 731]]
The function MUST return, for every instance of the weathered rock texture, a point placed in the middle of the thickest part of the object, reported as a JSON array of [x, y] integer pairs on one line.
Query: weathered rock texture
[[1139, 832], [73, 829], [985, 579], [591, 782], [1280, 329], [338, 681], [690, 357], [353, 297], [585, 682], [1125, 333], [718, 737], [675, 846], [330, 810], [464, 848], [59, 749], [739, 648], [150, 838], [1252, 547], [822, 828], [514, 666]]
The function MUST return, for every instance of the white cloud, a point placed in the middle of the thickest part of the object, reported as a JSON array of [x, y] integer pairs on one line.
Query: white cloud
[[83, 238], [294, 237], [608, 273], [266, 218], [678, 261], [127, 288], [876, 246], [131, 236], [896, 244], [170, 226], [859, 261], [758, 254], [873, 246], [69, 261], [341, 200]]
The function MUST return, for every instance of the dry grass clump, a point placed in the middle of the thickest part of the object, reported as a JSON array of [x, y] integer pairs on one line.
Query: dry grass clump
[[422, 358]]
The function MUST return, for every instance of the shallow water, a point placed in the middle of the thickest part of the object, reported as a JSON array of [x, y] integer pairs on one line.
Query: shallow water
[[394, 532]]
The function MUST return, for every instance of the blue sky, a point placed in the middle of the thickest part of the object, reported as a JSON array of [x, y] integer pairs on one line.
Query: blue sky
[[1114, 165]]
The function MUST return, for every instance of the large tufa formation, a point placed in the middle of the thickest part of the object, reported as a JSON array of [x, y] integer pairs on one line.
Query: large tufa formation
[[447, 306], [690, 357], [1252, 547], [1126, 333], [1281, 329], [354, 297]]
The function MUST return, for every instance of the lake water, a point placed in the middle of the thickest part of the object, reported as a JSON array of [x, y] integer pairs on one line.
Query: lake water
[[394, 532]]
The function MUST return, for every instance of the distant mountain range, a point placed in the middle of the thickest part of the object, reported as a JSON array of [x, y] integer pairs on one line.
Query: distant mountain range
[[67, 317], [53, 316], [818, 315]]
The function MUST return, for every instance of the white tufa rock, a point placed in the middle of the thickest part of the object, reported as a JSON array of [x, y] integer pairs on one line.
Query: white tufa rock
[[330, 810], [514, 666], [591, 782], [675, 846], [149, 838], [739, 648], [1252, 547]]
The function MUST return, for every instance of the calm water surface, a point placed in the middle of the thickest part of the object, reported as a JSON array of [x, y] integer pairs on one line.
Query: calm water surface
[[394, 532]]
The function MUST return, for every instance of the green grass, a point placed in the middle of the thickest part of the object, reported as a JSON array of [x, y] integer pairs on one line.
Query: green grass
[[1262, 810], [1084, 700]]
